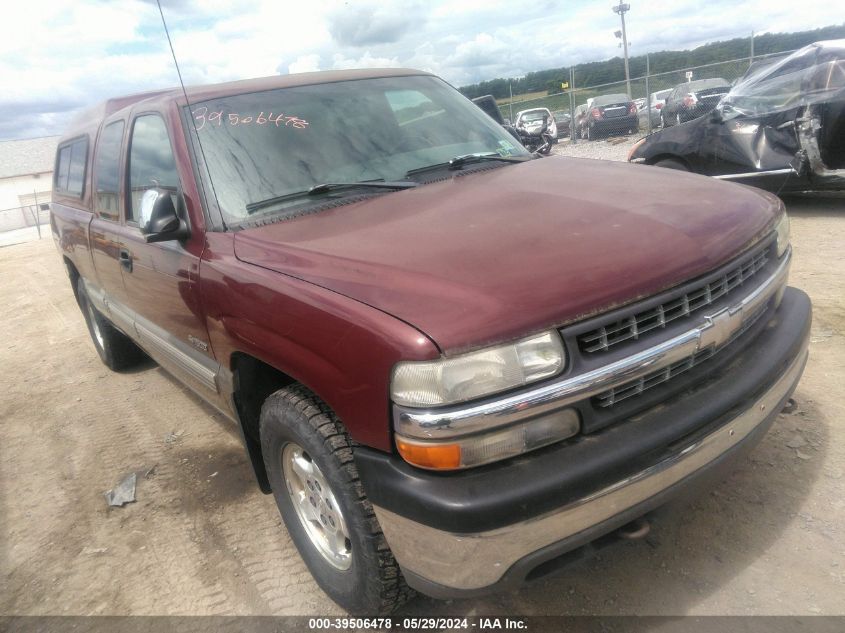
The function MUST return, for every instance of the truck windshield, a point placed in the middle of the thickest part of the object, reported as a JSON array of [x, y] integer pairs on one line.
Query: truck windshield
[[266, 145]]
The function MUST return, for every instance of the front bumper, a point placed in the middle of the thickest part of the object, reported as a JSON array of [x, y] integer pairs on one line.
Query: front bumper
[[478, 531]]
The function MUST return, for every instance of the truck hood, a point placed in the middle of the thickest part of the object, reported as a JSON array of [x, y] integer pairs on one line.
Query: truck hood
[[493, 255]]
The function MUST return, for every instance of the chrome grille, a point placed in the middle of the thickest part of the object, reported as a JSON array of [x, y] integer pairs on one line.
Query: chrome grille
[[636, 387], [634, 326]]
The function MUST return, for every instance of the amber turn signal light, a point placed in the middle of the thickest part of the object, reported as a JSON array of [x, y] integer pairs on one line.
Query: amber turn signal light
[[496, 444], [435, 456]]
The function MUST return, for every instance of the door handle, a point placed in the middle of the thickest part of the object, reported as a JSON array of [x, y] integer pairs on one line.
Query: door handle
[[125, 258]]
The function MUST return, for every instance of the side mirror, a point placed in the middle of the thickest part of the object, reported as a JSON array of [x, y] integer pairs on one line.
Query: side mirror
[[158, 219]]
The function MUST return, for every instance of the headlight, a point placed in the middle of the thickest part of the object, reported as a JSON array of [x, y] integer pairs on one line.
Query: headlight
[[782, 230], [477, 374]]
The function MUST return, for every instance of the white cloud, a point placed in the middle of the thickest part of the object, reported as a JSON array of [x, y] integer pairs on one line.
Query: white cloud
[[339, 62], [305, 64], [369, 23], [64, 54]]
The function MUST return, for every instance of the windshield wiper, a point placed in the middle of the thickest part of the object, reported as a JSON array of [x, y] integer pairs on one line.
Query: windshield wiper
[[331, 186], [467, 159]]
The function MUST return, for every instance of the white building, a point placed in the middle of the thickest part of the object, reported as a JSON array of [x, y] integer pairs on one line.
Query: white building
[[26, 181]]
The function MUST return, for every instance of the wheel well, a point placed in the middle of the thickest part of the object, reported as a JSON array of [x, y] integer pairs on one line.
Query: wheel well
[[74, 277], [656, 159], [253, 381]]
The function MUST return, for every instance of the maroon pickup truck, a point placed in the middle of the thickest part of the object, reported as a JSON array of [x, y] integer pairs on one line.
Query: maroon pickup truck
[[454, 363]]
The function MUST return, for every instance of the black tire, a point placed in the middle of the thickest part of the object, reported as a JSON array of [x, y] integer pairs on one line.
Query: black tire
[[672, 163], [116, 350], [373, 583]]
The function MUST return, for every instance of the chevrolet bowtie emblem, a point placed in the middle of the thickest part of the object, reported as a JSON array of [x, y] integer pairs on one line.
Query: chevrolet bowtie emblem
[[718, 328]]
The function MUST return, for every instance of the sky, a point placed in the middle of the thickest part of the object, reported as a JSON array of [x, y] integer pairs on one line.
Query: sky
[[57, 56]]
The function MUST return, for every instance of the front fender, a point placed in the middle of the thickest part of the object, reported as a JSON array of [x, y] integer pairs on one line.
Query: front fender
[[682, 141]]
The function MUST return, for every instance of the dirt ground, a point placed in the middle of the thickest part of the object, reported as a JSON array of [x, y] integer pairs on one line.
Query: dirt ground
[[201, 539]]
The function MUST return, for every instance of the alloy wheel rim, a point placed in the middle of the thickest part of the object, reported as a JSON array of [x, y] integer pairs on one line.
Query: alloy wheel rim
[[316, 506]]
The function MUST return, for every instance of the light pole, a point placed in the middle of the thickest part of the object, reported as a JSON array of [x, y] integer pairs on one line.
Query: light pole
[[510, 102], [621, 9]]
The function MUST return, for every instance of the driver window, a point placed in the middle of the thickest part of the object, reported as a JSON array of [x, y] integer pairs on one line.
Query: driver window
[[107, 171], [151, 163]]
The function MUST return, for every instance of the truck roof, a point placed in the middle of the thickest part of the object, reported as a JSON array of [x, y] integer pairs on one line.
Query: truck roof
[[90, 118]]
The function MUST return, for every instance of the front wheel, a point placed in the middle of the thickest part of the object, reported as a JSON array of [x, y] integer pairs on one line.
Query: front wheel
[[309, 462]]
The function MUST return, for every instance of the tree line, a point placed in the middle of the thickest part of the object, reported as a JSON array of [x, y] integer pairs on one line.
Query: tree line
[[612, 70]]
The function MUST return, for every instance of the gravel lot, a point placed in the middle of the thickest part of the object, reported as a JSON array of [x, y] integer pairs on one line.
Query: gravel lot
[[614, 148], [201, 539]]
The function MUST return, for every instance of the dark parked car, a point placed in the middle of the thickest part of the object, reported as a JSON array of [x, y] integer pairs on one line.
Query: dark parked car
[[445, 371], [691, 100], [489, 105], [609, 114], [562, 121], [782, 128]]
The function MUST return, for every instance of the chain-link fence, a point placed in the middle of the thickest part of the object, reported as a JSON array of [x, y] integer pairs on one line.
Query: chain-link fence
[[21, 224], [693, 91]]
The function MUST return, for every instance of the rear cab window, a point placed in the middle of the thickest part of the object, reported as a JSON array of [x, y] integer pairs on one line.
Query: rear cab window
[[70, 168]]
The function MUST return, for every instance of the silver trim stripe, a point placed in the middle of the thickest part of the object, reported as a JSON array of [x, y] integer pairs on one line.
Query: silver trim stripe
[[474, 561], [465, 419], [756, 174], [199, 372]]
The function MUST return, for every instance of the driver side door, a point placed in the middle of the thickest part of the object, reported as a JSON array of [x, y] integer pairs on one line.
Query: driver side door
[[161, 281]]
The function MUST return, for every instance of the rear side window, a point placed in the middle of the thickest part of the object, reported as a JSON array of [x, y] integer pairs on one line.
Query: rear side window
[[107, 170], [70, 171], [151, 163]]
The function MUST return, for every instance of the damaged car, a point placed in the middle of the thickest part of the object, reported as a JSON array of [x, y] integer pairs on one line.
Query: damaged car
[[781, 129], [531, 122]]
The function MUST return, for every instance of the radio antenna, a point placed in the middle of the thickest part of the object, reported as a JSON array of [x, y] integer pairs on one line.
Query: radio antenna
[[173, 53], [188, 104]]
